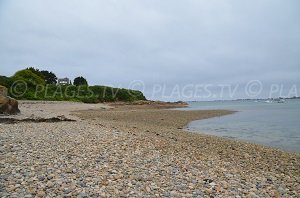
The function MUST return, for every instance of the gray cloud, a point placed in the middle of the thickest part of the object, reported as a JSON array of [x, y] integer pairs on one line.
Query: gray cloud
[[158, 42]]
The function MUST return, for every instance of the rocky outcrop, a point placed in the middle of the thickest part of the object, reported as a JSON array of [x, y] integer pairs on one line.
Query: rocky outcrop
[[3, 91], [8, 105]]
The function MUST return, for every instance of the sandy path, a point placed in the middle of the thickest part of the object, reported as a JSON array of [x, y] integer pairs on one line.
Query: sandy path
[[48, 109]]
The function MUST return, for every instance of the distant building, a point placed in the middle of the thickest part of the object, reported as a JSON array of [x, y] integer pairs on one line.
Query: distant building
[[63, 81]]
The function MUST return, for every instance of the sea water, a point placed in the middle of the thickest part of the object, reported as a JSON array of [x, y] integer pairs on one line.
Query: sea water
[[272, 124]]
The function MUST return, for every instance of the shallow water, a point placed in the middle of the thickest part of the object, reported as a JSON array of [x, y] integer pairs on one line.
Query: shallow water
[[272, 124]]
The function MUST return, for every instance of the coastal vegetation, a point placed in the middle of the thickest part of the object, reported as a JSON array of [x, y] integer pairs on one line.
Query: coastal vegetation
[[80, 81], [33, 84]]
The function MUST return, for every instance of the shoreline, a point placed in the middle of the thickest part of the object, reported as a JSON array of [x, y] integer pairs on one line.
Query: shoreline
[[137, 150], [253, 160]]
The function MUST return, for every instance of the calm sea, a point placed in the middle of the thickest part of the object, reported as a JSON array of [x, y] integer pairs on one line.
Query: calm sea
[[273, 124]]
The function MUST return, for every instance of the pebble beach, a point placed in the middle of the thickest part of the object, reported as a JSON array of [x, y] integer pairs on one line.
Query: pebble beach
[[134, 151]]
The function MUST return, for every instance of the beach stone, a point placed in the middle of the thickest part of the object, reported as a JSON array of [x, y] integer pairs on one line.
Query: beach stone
[[50, 184], [82, 184], [252, 195], [281, 190], [58, 160], [11, 188], [8, 105], [207, 181], [41, 178], [67, 190], [49, 177], [40, 193], [18, 176], [83, 195], [148, 189], [208, 191], [173, 194]]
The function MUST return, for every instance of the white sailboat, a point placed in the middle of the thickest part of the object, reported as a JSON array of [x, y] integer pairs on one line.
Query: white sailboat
[[268, 101]]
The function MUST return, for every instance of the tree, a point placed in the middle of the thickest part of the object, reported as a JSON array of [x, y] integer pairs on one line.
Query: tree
[[35, 71], [29, 76], [80, 81], [50, 78]]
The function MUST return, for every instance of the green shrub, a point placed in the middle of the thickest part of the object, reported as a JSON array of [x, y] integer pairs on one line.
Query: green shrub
[[29, 77], [36, 89], [5, 81], [92, 99]]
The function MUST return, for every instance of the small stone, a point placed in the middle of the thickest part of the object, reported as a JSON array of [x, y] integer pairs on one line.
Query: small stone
[[18, 176], [173, 193], [82, 184], [207, 181], [269, 180], [113, 172], [252, 195], [50, 184], [208, 191], [67, 191], [11, 188], [40, 193], [59, 182], [41, 178], [83, 195], [148, 189], [281, 190]]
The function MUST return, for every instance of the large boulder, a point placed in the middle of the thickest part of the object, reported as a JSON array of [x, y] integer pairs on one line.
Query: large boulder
[[3, 91], [8, 105]]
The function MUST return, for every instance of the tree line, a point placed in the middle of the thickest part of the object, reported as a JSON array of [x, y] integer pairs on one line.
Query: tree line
[[34, 84], [50, 78]]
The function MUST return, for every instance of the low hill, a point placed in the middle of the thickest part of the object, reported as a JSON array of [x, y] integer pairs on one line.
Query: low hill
[[29, 85]]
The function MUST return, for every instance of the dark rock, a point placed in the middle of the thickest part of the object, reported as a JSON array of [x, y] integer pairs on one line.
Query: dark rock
[[41, 178], [207, 181]]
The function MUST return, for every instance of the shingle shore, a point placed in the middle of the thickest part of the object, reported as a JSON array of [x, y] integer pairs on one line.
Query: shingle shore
[[138, 152]]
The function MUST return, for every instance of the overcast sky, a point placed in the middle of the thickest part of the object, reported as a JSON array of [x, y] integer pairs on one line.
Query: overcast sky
[[156, 42]]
